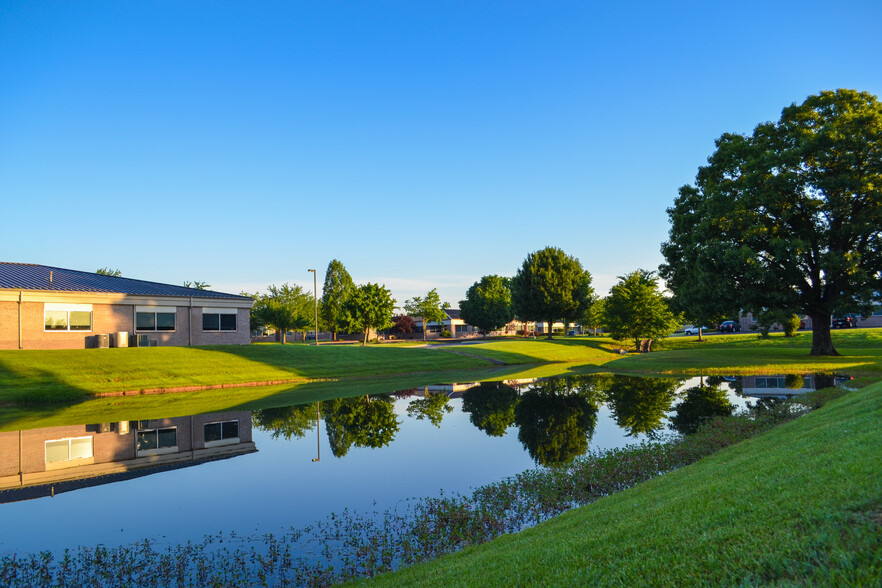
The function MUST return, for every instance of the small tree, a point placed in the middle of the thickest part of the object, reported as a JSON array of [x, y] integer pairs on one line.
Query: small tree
[[336, 290], [428, 308], [284, 309], [791, 325], [595, 318], [403, 324], [488, 304], [636, 310], [108, 271], [369, 306]]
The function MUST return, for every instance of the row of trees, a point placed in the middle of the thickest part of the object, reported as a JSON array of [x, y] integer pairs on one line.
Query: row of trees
[[552, 286], [344, 306]]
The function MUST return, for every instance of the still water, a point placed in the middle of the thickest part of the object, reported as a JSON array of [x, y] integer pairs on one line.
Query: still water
[[246, 473]]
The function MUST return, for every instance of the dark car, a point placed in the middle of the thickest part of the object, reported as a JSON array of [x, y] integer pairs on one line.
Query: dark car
[[730, 327], [844, 322]]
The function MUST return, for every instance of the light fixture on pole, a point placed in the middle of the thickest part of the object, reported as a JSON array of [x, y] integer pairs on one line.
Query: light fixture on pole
[[315, 295]]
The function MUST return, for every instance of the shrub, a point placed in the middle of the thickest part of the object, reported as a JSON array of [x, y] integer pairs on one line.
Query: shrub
[[446, 334], [791, 325]]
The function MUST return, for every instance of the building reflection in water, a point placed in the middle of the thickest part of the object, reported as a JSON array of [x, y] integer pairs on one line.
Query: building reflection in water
[[43, 462]]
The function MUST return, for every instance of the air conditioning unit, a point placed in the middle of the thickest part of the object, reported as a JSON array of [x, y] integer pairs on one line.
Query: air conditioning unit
[[103, 341], [121, 339], [141, 341]]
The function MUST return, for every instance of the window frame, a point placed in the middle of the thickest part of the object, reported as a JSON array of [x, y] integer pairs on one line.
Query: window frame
[[70, 461], [219, 313], [223, 440], [67, 309], [157, 450], [156, 311]]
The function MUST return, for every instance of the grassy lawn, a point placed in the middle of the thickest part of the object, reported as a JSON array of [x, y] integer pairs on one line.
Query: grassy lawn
[[798, 505], [42, 376]]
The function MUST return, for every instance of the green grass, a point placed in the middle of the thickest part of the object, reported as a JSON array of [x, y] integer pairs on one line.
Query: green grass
[[799, 505]]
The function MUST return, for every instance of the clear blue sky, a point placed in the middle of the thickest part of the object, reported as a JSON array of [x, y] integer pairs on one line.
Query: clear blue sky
[[424, 144]]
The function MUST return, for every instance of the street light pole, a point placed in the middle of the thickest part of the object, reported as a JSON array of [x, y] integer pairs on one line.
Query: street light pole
[[315, 296]]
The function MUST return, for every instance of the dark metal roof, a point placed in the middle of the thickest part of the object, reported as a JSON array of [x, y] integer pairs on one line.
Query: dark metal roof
[[453, 313], [27, 276]]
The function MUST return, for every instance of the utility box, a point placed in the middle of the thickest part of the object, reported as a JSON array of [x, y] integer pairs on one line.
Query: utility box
[[103, 341], [121, 339], [141, 341]]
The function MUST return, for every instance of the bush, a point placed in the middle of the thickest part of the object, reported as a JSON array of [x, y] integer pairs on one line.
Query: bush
[[791, 325], [446, 334]]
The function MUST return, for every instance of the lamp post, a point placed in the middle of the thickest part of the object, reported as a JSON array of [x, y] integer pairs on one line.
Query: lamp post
[[315, 296]]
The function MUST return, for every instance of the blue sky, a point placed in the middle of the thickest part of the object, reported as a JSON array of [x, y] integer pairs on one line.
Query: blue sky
[[424, 144]]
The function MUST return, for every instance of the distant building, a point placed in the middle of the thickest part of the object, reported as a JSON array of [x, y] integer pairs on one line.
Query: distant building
[[43, 307], [452, 322]]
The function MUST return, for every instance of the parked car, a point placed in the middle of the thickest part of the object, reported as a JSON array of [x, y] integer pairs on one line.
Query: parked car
[[571, 333], [692, 330], [844, 322], [730, 327]]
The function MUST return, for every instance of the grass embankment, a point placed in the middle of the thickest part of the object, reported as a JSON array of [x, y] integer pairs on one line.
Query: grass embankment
[[800, 504]]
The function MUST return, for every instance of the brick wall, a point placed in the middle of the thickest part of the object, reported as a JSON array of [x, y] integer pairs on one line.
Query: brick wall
[[111, 318]]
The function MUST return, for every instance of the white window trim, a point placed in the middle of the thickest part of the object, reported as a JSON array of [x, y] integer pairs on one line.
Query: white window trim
[[154, 310], [211, 310], [159, 450], [228, 440], [69, 463], [68, 308]]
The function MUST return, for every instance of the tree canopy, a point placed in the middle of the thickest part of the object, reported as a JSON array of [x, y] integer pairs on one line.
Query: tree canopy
[[109, 271], [284, 308], [789, 217], [488, 304], [369, 306], [551, 286], [428, 308], [635, 309], [336, 290]]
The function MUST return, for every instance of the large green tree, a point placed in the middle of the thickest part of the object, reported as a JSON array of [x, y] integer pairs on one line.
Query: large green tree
[[285, 308], [336, 290], [635, 309], [369, 306], [367, 421], [428, 308], [551, 286], [790, 217], [488, 304]]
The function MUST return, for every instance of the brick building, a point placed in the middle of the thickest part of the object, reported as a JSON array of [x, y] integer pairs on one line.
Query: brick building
[[44, 307]]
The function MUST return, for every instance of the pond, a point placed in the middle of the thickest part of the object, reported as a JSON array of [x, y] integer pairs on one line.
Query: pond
[[245, 473]]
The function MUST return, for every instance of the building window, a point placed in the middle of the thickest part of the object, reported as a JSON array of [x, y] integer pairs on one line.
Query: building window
[[62, 450], [157, 440], [155, 318], [221, 433], [67, 317], [219, 319]]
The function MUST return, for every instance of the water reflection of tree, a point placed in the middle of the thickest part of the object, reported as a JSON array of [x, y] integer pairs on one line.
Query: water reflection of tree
[[700, 403], [363, 421], [556, 420], [639, 404], [433, 406], [286, 421], [491, 407]]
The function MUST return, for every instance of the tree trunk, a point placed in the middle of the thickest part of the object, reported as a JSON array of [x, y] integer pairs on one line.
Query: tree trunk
[[699, 333], [282, 332], [364, 341], [822, 341], [550, 330], [424, 329]]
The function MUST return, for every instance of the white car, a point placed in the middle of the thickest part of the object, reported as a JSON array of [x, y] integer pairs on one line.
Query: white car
[[692, 330]]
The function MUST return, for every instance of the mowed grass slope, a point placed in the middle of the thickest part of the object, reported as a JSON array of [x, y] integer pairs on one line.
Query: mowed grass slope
[[41, 376], [798, 505]]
